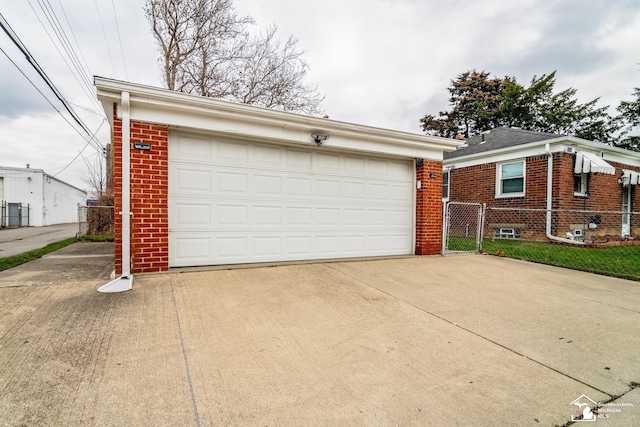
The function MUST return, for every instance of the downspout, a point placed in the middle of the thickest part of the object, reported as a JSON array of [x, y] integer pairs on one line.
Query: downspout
[[125, 281], [550, 200]]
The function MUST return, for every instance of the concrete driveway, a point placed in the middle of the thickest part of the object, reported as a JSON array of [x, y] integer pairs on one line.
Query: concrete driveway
[[465, 340], [14, 241]]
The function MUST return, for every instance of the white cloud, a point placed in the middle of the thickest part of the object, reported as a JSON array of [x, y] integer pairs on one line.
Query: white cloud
[[380, 62]]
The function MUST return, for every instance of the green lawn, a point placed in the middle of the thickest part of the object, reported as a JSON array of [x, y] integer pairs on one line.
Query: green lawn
[[16, 260], [618, 261]]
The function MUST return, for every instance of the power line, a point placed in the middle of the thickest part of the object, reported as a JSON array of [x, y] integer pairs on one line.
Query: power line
[[86, 66], [115, 17], [49, 101], [79, 75], [79, 153], [104, 34], [32, 61]]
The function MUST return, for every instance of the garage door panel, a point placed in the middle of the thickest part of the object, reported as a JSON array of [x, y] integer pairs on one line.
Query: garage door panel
[[232, 247], [298, 160], [267, 184], [327, 216], [189, 250], [254, 202], [233, 153], [265, 155], [192, 214], [190, 148], [328, 163], [298, 216], [229, 182], [192, 180], [267, 215], [401, 192], [328, 189], [299, 187]]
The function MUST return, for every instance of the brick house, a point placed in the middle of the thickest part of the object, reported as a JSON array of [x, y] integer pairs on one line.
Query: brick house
[[199, 181], [566, 176]]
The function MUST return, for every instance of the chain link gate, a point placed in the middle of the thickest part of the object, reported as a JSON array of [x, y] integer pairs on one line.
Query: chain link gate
[[463, 227]]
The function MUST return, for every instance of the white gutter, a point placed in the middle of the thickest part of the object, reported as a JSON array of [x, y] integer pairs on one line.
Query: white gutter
[[125, 281], [550, 198]]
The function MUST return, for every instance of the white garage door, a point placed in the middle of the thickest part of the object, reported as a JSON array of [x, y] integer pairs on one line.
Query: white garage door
[[240, 202]]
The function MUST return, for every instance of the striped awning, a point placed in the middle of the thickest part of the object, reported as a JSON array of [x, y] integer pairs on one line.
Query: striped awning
[[630, 177], [592, 163]]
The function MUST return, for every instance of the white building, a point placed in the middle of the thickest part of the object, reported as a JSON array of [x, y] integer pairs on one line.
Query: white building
[[31, 197]]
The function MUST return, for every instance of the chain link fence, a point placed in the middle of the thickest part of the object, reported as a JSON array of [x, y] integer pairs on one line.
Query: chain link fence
[[95, 220], [604, 242]]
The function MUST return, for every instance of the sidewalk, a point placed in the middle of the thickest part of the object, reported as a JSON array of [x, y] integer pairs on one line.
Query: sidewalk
[[14, 241]]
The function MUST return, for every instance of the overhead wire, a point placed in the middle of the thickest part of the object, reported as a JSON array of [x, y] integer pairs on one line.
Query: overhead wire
[[48, 100], [73, 34], [78, 74], [115, 18], [32, 61], [104, 34], [79, 153]]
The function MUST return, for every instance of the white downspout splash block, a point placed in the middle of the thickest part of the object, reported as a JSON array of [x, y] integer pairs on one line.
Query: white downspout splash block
[[121, 284]]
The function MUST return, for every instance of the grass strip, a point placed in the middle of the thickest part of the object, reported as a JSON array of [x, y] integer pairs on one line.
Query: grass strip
[[617, 261], [16, 260]]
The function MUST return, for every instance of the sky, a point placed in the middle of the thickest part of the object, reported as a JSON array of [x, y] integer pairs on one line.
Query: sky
[[383, 63]]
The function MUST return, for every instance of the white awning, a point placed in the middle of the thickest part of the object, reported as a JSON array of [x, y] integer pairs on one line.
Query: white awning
[[591, 163], [630, 177]]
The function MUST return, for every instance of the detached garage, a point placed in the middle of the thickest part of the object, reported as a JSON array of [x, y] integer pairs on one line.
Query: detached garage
[[207, 182]]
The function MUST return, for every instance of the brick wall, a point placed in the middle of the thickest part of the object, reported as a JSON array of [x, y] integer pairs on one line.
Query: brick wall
[[429, 208], [149, 197], [478, 184]]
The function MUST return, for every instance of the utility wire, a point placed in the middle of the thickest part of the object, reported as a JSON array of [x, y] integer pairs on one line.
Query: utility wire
[[49, 101], [79, 153], [84, 61], [104, 34], [115, 17], [16, 40], [78, 74]]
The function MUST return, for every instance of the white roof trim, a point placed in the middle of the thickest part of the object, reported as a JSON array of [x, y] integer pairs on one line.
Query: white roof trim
[[536, 148], [630, 177], [590, 163], [185, 111]]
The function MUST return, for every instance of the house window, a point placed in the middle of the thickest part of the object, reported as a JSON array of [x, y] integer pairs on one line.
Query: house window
[[445, 185], [506, 233], [580, 184], [510, 179]]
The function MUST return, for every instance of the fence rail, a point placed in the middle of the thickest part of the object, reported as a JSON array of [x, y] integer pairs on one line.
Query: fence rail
[[14, 214], [605, 242], [95, 220]]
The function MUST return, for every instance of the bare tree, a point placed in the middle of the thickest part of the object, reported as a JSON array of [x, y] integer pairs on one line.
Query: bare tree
[[185, 29], [207, 50]]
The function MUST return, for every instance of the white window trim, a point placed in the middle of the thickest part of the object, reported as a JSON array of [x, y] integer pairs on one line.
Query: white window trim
[[583, 186], [447, 173], [499, 194]]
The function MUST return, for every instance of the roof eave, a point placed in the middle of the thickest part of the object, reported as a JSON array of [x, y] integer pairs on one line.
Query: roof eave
[[109, 91]]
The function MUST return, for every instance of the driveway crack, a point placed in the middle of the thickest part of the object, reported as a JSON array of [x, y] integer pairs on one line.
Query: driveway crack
[[184, 354]]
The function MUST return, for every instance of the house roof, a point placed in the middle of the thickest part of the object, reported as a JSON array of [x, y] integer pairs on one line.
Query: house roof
[[502, 144], [499, 138]]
